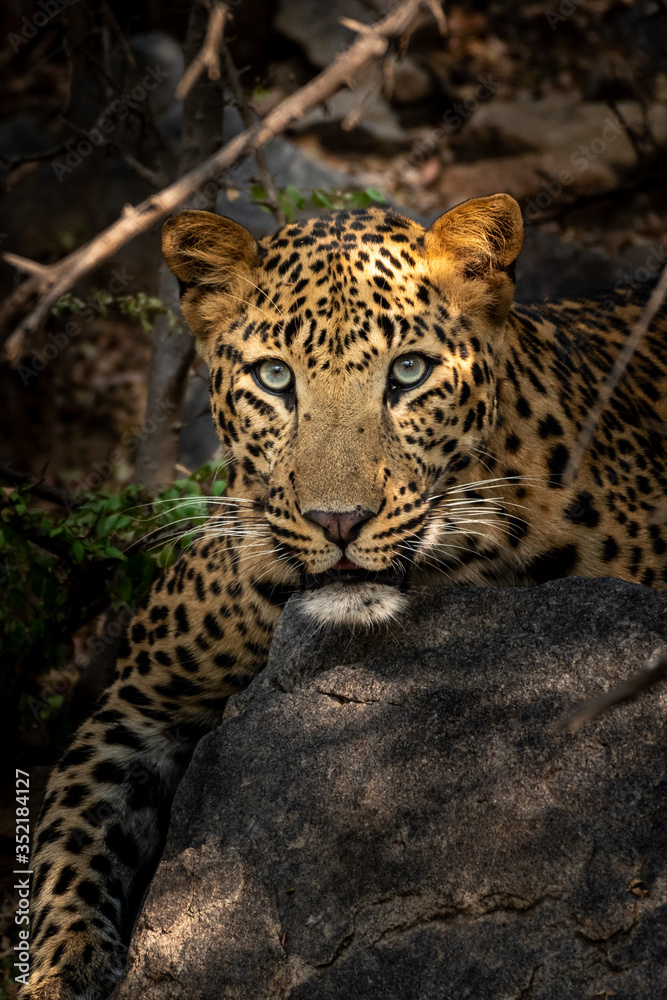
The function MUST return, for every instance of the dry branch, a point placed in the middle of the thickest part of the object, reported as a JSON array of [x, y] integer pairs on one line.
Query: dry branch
[[654, 672], [60, 277], [616, 374], [265, 175], [173, 351], [38, 488], [208, 57]]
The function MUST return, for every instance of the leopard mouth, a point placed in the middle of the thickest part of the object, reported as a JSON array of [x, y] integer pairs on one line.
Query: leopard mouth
[[347, 572]]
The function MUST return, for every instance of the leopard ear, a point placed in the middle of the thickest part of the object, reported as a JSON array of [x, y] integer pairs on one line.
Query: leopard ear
[[479, 237], [214, 260]]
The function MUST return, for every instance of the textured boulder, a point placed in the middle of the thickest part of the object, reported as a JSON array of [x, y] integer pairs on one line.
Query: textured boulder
[[391, 816]]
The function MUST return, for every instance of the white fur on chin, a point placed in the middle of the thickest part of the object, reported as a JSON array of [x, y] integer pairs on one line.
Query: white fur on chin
[[353, 604]]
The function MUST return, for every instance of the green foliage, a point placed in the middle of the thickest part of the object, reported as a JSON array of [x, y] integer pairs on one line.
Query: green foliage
[[141, 307], [61, 568], [292, 200], [259, 94]]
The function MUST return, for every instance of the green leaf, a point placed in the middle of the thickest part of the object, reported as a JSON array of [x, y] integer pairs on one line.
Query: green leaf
[[375, 195], [112, 552], [287, 206], [78, 551], [320, 199], [107, 525], [295, 196], [165, 557]]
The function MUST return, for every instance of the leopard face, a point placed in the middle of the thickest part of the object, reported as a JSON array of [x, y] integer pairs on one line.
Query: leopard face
[[352, 381], [389, 418]]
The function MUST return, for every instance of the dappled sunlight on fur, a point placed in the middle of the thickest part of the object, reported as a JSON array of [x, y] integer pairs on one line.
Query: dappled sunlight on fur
[[418, 437]]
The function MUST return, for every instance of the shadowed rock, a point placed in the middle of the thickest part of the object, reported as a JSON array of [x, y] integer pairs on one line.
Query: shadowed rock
[[390, 816]]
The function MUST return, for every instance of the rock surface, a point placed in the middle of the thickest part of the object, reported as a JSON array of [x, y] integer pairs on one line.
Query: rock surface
[[390, 816], [317, 27], [542, 152]]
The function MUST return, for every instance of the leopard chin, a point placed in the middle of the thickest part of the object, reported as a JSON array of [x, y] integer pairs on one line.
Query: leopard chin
[[364, 604]]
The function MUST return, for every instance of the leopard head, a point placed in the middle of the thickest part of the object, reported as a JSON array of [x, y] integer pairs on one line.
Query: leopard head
[[352, 363]]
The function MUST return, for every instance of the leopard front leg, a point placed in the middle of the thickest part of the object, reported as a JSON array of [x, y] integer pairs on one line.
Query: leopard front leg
[[202, 635]]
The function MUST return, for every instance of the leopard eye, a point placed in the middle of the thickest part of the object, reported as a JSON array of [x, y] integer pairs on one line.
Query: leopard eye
[[409, 370], [274, 375]]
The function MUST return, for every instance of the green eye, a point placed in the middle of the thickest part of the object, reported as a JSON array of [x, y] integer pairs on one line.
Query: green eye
[[274, 375], [409, 370]]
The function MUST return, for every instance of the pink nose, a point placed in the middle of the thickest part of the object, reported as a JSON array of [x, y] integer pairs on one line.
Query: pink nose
[[339, 528]]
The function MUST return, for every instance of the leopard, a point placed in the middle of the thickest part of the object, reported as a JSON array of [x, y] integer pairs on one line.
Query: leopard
[[391, 420]]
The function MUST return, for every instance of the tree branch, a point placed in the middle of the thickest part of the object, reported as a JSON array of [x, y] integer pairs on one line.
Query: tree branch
[[616, 374], [265, 175], [172, 352], [208, 57], [40, 489], [60, 277], [654, 672]]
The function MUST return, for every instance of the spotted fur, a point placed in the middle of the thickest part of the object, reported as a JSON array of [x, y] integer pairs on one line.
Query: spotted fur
[[349, 488]]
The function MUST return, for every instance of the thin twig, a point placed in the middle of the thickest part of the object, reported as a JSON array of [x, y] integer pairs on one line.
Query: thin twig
[[40, 489], [638, 140], [172, 352], [265, 175], [137, 219], [435, 6], [141, 111], [119, 33], [140, 170], [208, 57], [128, 159], [25, 264], [372, 89], [609, 386], [49, 154], [654, 672], [358, 26]]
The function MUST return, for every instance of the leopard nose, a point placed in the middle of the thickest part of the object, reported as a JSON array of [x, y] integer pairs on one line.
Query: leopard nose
[[339, 528]]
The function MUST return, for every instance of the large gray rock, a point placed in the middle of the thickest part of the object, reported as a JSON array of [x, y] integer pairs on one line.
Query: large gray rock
[[317, 27], [390, 816]]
